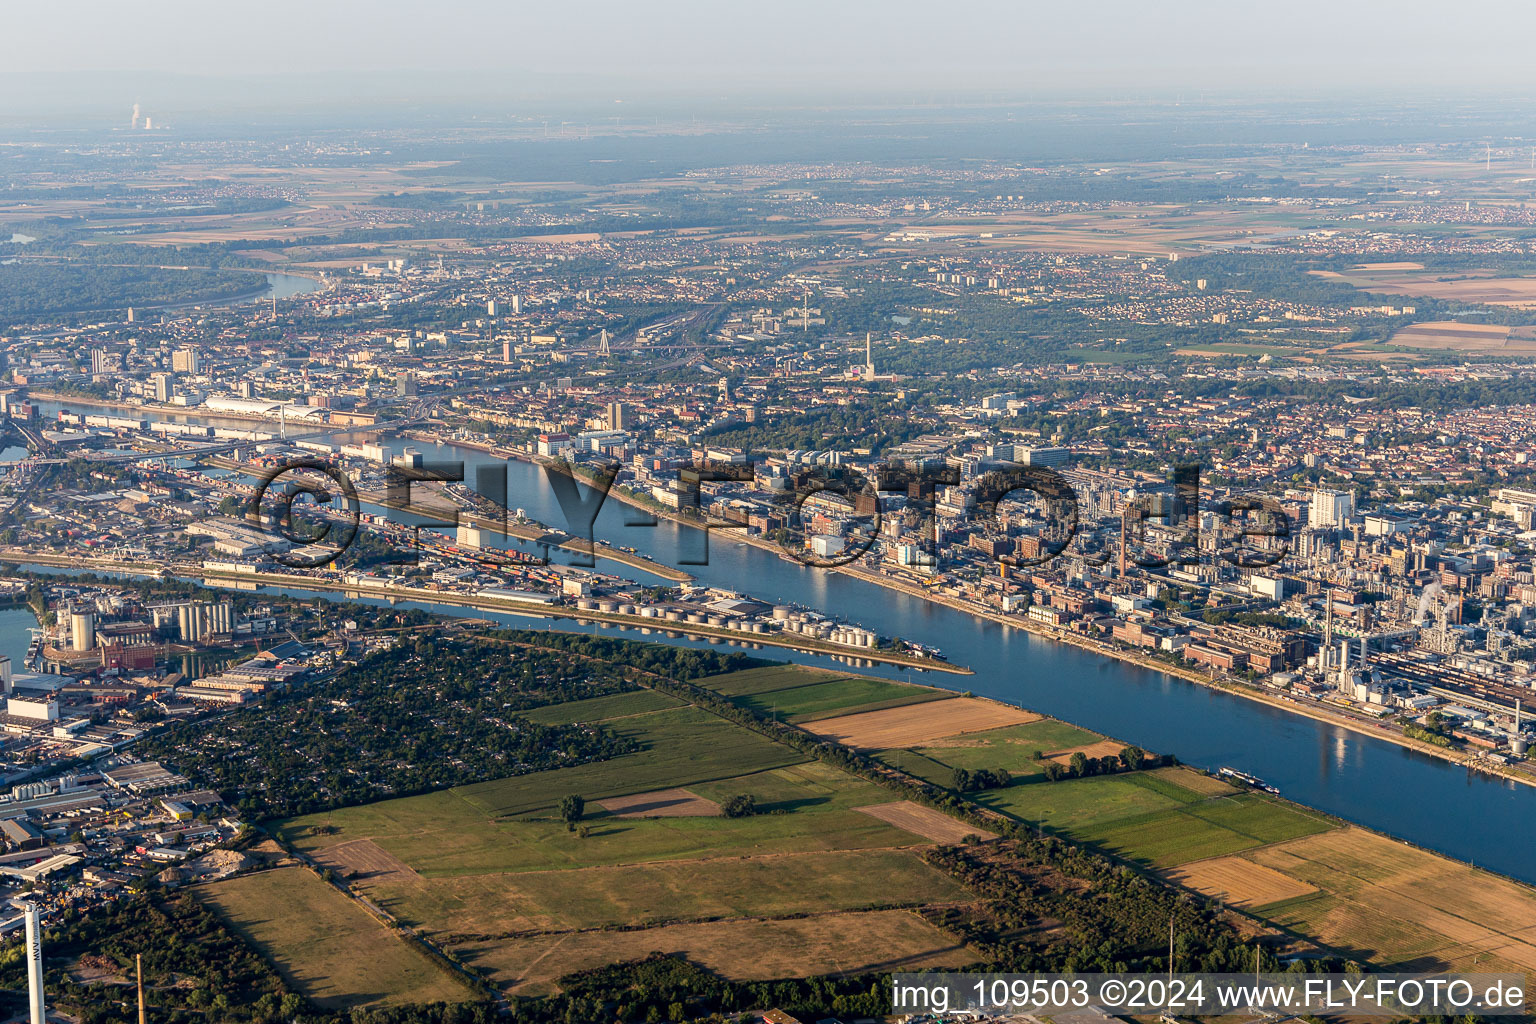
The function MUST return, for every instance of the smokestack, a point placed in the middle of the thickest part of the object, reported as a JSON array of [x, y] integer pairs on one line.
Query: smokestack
[[138, 966], [35, 963]]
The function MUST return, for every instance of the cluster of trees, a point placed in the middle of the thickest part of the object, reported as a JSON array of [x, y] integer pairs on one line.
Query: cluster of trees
[[666, 987], [659, 659], [32, 289], [966, 780], [1080, 765], [1433, 728], [1048, 905], [742, 805], [876, 428], [1217, 616], [427, 714]]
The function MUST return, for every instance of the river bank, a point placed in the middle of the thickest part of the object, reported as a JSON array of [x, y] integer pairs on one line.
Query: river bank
[[535, 533], [538, 609], [185, 412]]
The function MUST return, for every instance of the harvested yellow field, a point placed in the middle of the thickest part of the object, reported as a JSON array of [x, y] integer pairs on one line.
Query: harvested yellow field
[[1473, 286], [918, 724], [924, 821], [1239, 882], [1405, 905], [744, 950], [1450, 336], [327, 946], [364, 859]]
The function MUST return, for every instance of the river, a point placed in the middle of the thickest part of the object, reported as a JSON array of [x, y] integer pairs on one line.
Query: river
[[286, 286], [1478, 818]]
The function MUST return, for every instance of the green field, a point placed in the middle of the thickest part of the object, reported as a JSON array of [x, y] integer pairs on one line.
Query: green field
[[1210, 828], [443, 835], [679, 746], [796, 694], [1073, 805], [836, 697], [1162, 818], [326, 946], [601, 709], [761, 680], [918, 766], [1012, 747]]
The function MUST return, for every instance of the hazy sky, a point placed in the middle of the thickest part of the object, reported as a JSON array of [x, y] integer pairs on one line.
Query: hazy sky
[[832, 48]]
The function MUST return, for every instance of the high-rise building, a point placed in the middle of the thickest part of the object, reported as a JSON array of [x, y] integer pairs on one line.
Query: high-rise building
[[405, 384], [1330, 509], [506, 349], [517, 304], [618, 416], [1043, 456], [490, 308], [186, 360], [98, 361], [164, 385]]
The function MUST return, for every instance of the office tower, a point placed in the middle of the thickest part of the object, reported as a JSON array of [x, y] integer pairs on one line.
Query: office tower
[[1331, 509], [164, 385]]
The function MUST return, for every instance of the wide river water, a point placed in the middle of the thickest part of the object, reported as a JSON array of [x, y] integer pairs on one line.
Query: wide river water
[[1479, 818]]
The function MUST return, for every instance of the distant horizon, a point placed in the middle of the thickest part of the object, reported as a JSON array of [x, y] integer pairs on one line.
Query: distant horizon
[[465, 52], [91, 101]]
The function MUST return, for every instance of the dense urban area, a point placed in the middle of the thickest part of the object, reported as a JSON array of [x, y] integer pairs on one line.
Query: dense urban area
[[396, 527]]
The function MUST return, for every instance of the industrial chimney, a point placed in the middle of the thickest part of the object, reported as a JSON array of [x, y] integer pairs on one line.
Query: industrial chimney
[[35, 963]]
